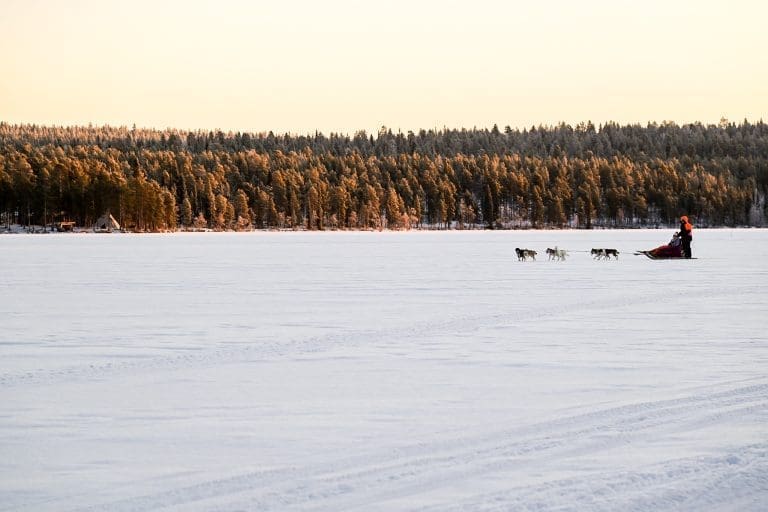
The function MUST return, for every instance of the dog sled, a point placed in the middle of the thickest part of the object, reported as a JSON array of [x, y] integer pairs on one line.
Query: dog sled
[[663, 252], [671, 251]]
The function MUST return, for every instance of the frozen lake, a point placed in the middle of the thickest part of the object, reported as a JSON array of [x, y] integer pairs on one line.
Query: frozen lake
[[423, 371]]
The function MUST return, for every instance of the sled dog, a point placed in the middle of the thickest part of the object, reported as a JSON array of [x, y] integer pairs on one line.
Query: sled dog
[[600, 254], [524, 254], [557, 254]]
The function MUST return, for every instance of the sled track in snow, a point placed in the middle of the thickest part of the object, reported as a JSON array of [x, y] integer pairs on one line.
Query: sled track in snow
[[392, 480], [737, 479], [264, 351]]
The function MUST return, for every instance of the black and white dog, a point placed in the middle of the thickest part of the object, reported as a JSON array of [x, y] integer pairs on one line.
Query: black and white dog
[[606, 254], [524, 254], [557, 254]]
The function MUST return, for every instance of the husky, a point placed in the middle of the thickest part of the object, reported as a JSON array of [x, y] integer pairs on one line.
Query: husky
[[600, 254], [557, 254], [524, 254]]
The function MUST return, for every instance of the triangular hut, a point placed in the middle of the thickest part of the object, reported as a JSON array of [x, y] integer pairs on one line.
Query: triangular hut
[[106, 224]]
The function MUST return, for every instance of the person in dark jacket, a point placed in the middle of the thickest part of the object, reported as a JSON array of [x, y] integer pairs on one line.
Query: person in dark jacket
[[686, 235]]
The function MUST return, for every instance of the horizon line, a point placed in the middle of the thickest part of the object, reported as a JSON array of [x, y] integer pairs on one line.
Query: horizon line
[[541, 126]]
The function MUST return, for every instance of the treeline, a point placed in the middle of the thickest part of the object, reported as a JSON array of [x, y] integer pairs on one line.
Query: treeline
[[560, 176]]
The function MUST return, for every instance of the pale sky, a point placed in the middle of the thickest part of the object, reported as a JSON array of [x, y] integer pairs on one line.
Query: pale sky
[[343, 65]]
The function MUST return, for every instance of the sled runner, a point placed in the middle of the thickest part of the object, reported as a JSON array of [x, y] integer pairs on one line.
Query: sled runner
[[660, 255]]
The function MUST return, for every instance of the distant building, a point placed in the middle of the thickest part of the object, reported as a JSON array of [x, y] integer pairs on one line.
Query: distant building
[[64, 226], [106, 224]]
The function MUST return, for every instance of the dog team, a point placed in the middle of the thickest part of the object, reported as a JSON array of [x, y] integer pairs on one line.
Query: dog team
[[560, 254]]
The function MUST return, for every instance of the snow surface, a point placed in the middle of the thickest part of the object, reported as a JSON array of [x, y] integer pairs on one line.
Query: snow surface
[[425, 371]]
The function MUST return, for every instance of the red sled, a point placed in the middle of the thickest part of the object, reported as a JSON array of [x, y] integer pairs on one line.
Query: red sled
[[671, 251], [664, 252]]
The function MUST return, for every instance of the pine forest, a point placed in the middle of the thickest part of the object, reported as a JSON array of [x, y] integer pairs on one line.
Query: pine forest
[[542, 177]]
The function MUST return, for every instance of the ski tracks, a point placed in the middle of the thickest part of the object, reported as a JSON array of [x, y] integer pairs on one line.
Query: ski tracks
[[445, 474], [273, 349]]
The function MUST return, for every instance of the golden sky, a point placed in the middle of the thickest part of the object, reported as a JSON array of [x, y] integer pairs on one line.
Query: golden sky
[[342, 65]]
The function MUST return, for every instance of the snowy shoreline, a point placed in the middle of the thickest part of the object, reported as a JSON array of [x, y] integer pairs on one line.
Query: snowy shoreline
[[17, 229]]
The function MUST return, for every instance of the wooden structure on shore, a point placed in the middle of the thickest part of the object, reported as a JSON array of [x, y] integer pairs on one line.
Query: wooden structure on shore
[[64, 226]]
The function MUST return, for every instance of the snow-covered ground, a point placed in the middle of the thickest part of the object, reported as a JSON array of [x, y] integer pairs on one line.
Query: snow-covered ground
[[382, 371]]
